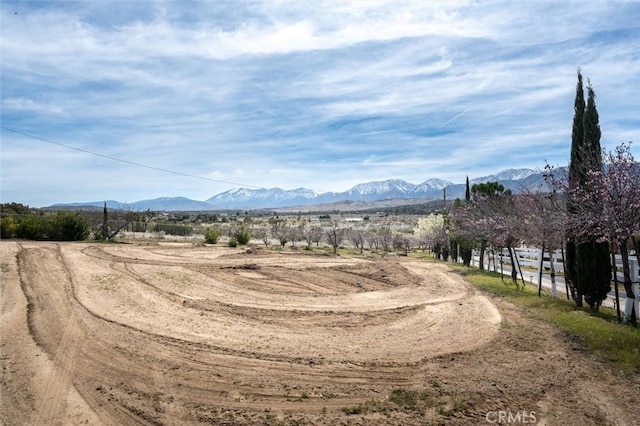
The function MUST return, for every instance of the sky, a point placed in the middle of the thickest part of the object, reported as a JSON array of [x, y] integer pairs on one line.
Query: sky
[[133, 100]]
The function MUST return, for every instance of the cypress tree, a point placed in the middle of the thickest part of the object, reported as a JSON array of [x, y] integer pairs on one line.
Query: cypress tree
[[467, 192], [592, 258], [575, 172], [466, 244]]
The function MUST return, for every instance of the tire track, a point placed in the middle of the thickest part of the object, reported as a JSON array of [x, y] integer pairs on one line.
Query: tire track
[[129, 373], [61, 344]]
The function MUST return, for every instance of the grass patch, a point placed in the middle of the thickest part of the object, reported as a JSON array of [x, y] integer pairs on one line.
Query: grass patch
[[404, 397], [599, 332], [453, 408], [411, 400], [351, 411]]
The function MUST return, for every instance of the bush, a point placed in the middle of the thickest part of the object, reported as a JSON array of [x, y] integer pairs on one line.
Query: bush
[[8, 227], [64, 226], [31, 228], [242, 235], [67, 226], [212, 236], [232, 242]]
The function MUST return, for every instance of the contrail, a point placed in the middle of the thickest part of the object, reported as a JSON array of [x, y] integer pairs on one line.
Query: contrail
[[456, 117]]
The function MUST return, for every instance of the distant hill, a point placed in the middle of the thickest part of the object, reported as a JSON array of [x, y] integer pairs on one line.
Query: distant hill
[[394, 192]]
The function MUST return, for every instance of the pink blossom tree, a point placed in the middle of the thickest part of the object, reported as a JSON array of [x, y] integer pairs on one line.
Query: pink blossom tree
[[541, 224], [431, 230], [608, 208], [489, 219]]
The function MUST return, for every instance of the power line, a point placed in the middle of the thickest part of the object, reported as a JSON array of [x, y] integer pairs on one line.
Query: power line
[[133, 163]]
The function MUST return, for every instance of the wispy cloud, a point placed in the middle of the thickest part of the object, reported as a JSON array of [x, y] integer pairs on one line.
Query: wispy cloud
[[316, 94]]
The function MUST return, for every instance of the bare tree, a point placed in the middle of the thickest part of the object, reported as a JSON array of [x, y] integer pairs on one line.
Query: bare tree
[[373, 241], [280, 230], [306, 234], [405, 242], [357, 237], [262, 233], [386, 238], [334, 235], [316, 235], [294, 234]]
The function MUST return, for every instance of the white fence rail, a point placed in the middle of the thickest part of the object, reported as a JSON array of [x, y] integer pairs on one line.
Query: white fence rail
[[530, 258], [529, 269]]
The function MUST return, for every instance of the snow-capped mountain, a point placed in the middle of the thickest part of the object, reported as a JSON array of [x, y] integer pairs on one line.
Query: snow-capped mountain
[[509, 174], [245, 198], [261, 198], [432, 185], [397, 188]]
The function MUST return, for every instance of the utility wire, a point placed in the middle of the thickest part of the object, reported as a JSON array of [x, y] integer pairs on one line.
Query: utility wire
[[133, 163]]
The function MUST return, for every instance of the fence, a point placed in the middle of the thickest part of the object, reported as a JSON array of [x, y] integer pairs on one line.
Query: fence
[[528, 265], [529, 258]]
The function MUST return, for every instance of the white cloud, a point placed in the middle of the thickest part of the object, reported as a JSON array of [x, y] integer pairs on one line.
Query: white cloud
[[318, 94], [29, 105]]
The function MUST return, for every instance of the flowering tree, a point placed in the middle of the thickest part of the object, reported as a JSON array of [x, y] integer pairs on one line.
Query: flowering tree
[[493, 203], [501, 217], [541, 224], [470, 224], [431, 230], [490, 219], [608, 208]]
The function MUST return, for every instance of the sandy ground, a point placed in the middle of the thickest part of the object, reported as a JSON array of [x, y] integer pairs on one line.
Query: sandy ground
[[178, 334]]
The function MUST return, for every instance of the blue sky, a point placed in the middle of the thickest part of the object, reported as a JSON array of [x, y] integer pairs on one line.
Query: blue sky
[[321, 95]]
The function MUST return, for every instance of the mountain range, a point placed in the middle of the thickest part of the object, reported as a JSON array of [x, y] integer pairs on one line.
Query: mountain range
[[244, 198]]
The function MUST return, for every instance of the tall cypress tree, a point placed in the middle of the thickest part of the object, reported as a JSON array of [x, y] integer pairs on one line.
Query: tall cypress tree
[[467, 192], [466, 244], [575, 173], [592, 258]]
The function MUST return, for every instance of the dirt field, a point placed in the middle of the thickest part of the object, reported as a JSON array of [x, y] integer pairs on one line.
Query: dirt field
[[179, 334]]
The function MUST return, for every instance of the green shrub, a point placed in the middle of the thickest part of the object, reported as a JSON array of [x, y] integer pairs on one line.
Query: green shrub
[[212, 236], [242, 235], [31, 228], [67, 226], [8, 227], [64, 226], [232, 242], [404, 397], [355, 410]]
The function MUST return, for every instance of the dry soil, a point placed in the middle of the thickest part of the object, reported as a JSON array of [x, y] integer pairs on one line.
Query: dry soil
[[180, 334]]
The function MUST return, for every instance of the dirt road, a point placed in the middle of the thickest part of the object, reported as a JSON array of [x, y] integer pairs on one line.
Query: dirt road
[[185, 334]]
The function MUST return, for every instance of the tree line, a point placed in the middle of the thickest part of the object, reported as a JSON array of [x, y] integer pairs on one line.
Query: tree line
[[21, 221], [592, 212]]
